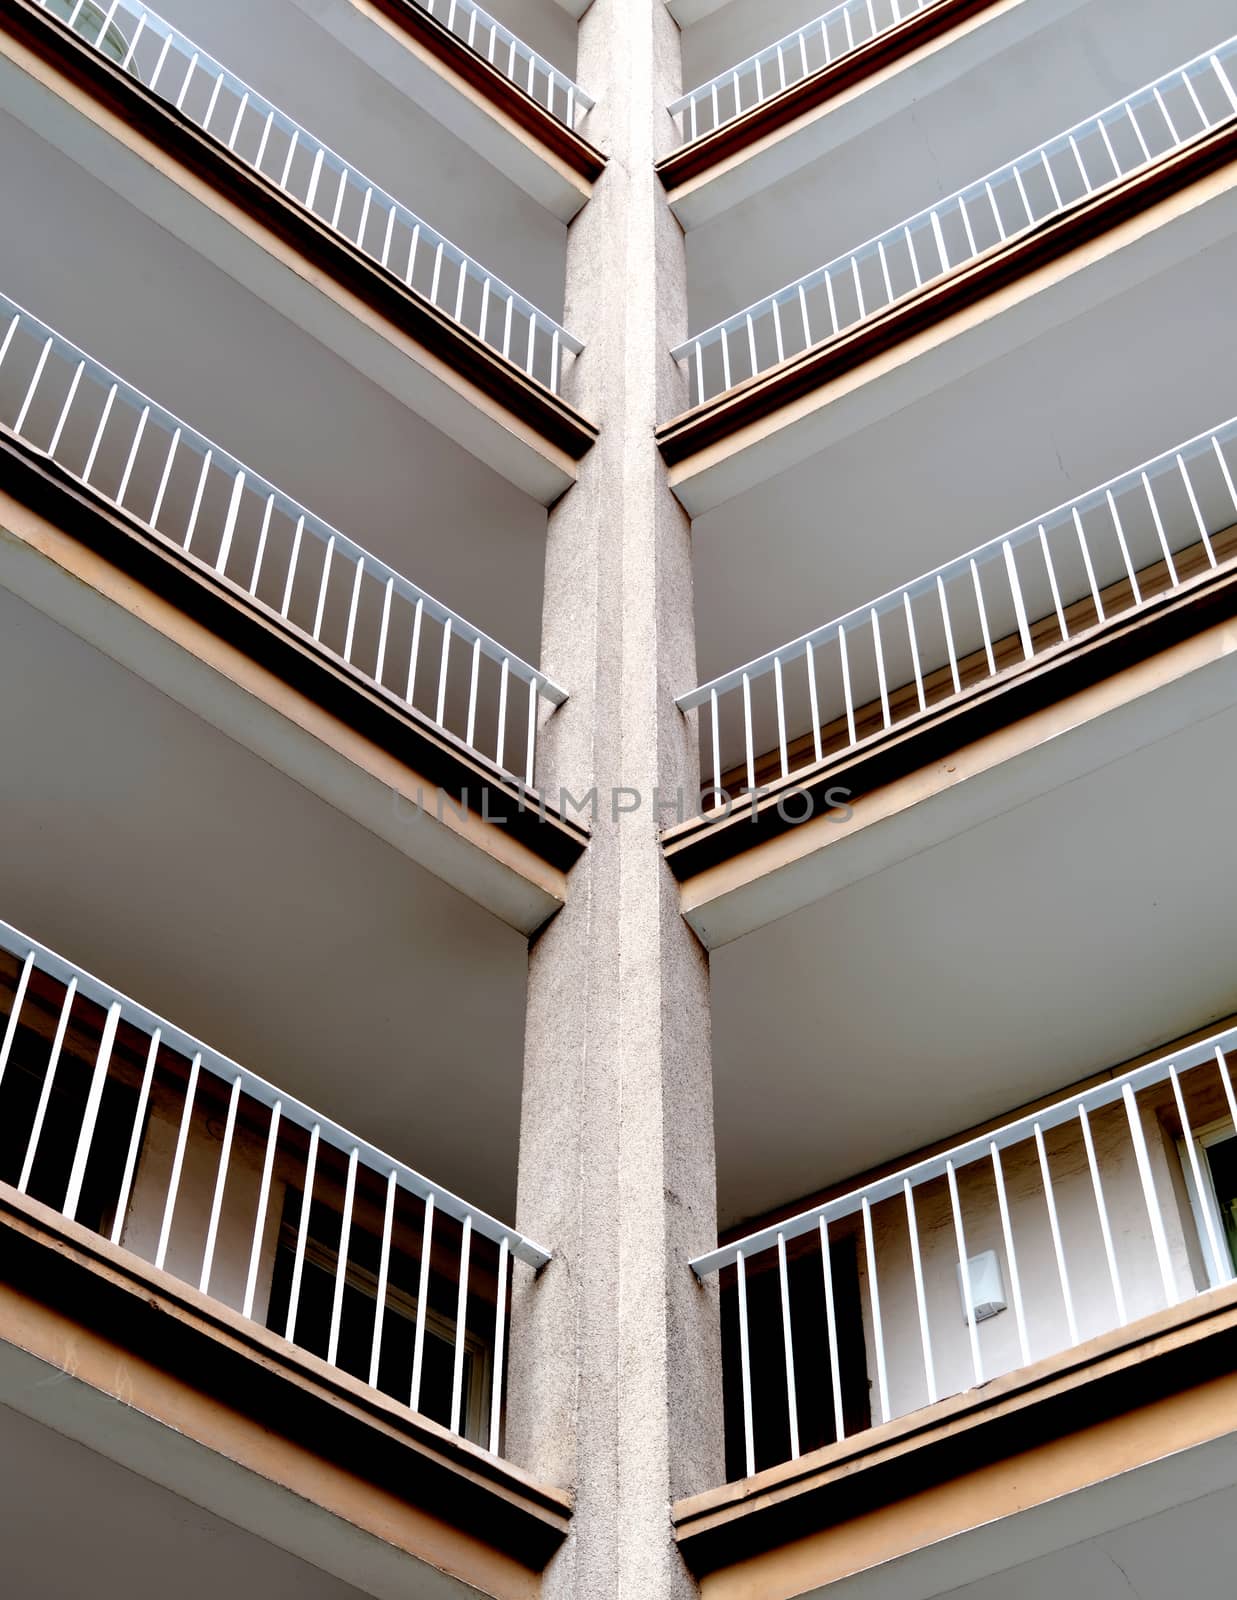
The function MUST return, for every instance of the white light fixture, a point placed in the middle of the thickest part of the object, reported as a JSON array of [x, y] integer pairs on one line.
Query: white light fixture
[[987, 1286]]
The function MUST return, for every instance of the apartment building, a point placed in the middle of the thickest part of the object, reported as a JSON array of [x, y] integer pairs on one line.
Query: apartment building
[[620, 643]]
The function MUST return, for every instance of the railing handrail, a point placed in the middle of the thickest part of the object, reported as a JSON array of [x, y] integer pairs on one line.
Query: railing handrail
[[1026, 531], [818, 275], [580, 97], [770, 51], [289, 125], [937, 1166], [305, 1117], [441, 613]]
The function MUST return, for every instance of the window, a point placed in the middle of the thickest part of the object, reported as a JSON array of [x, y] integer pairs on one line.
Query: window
[[1216, 1146], [813, 1377], [356, 1325]]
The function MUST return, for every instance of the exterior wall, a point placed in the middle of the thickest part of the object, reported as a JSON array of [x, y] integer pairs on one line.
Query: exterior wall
[[1086, 1264]]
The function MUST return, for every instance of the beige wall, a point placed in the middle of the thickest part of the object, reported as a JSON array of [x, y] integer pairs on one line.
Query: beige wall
[[1090, 1283]]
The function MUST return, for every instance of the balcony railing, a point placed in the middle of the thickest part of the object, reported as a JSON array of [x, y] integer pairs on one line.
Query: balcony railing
[[1045, 182], [237, 525], [1002, 604], [529, 71], [310, 173], [779, 66], [1068, 1216], [130, 1126]]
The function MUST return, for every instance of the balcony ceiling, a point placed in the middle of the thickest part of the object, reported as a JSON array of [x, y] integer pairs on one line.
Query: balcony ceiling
[[1165, 1528], [187, 334], [914, 475], [1046, 939], [145, 846], [132, 1539], [1015, 76]]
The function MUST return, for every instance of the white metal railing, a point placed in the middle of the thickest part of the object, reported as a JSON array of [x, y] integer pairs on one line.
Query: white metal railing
[[1069, 1273], [788, 61], [1005, 602], [529, 71], [281, 1137], [310, 173], [1046, 181], [297, 567]]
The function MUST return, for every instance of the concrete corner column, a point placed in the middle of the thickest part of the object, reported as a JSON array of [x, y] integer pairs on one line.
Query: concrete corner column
[[615, 1387]]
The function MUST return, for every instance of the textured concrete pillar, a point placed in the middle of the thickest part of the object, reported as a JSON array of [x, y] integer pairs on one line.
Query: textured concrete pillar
[[615, 1384]]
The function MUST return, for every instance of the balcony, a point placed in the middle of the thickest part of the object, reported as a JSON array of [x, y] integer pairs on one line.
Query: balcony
[[1047, 183], [846, 42], [1039, 591], [143, 1172], [939, 1310], [115, 473], [488, 365]]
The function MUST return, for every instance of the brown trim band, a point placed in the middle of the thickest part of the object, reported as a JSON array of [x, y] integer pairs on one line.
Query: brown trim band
[[265, 202], [228, 612], [758, 398], [1021, 691], [1162, 1356], [817, 89], [529, 114], [297, 1397]]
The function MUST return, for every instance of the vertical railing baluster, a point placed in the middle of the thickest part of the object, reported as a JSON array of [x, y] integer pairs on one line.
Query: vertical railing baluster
[[423, 1283], [40, 365], [414, 650], [949, 635], [99, 431], [745, 1365], [788, 1348], [384, 1267], [1154, 1215], [881, 681], [135, 1139], [1125, 551], [350, 634], [500, 740], [983, 618], [878, 1331], [264, 1200], [442, 672], [749, 747], [221, 1179], [1198, 515], [320, 609], [1020, 610], [132, 456], [813, 697], [341, 1258], [49, 1078], [197, 500], [921, 1298], [534, 694], [1222, 1268], [1054, 1224], [90, 1116], [1110, 1254], [1086, 560], [302, 1234], [1051, 570], [913, 640], [472, 691], [831, 1332], [65, 409], [1011, 1255], [779, 695], [964, 1272], [178, 1161], [847, 696], [500, 1332]]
